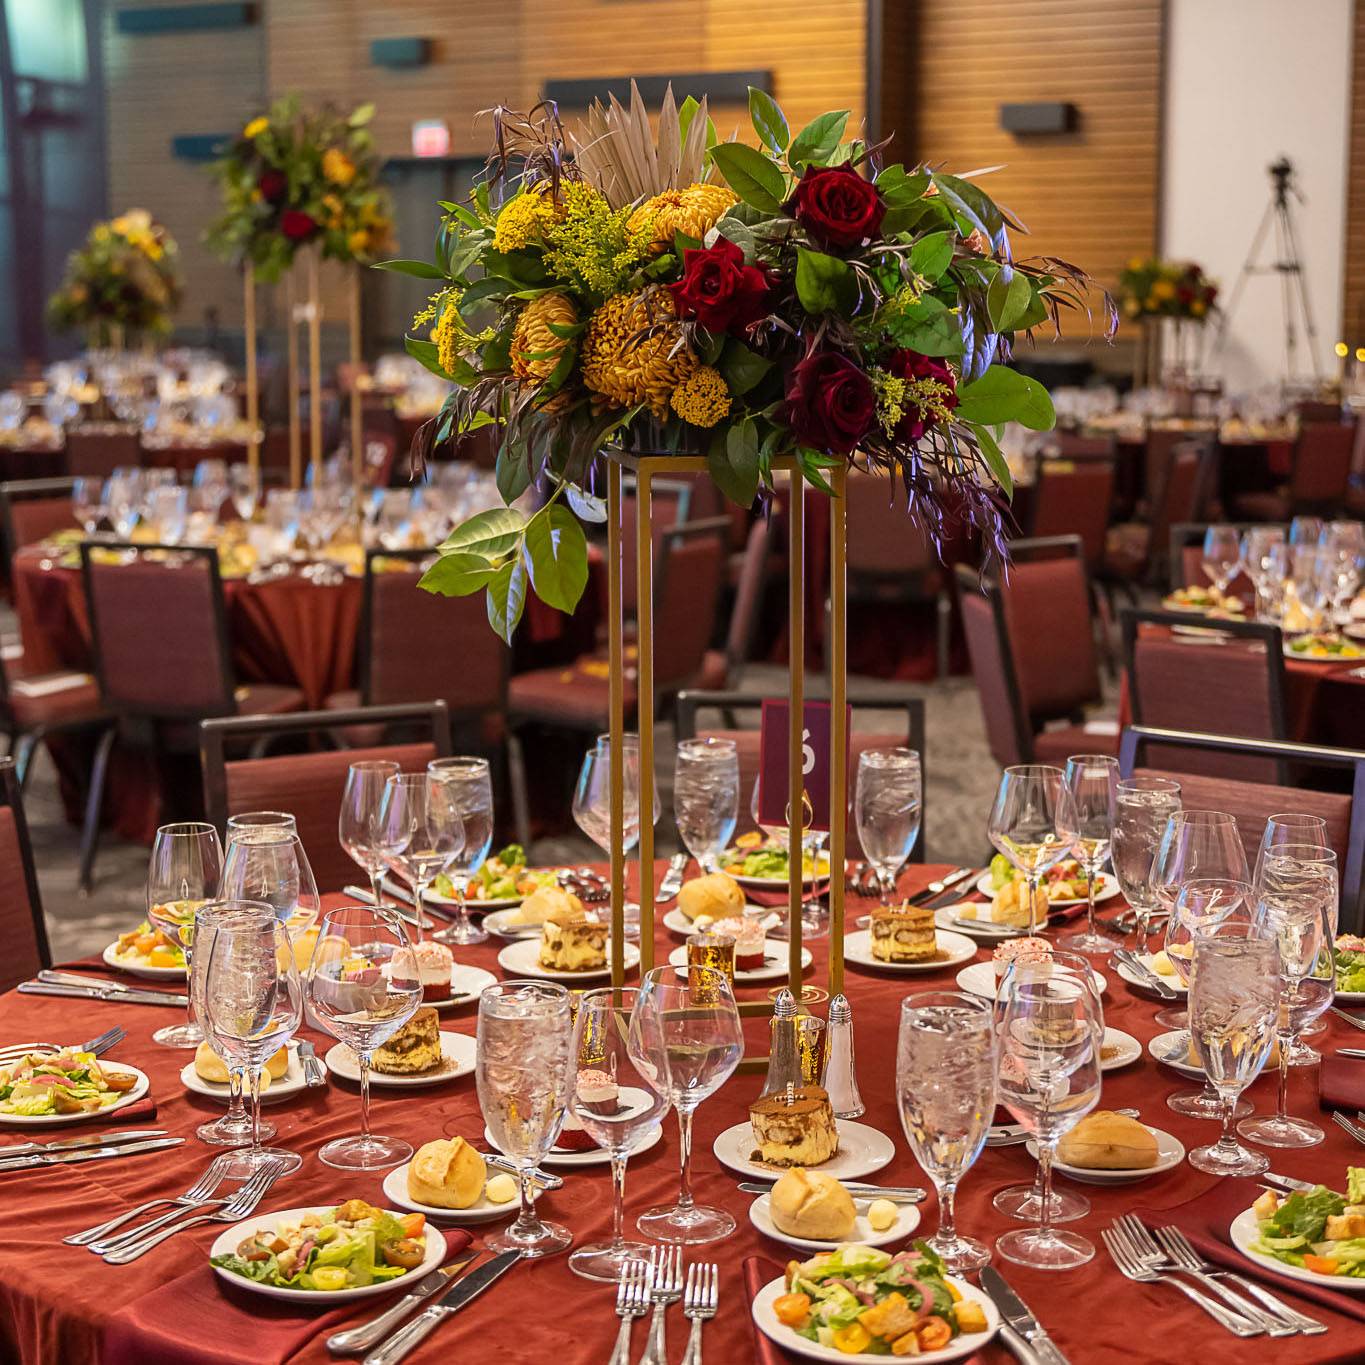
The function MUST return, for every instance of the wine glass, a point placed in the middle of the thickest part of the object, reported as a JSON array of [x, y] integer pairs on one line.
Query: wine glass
[[1087, 819], [619, 1105], [685, 1038], [184, 871], [356, 825], [265, 862], [945, 1091], [417, 834], [252, 1000], [461, 792], [1305, 531], [706, 797], [87, 503], [363, 986], [887, 805], [525, 1076], [1301, 830], [1024, 822], [1142, 805], [1049, 1076], [245, 486], [1222, 555], [1259, 560], [814, 912], [168, 510], [1234, 1005]]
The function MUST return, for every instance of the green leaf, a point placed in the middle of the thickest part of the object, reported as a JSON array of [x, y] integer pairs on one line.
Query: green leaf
[[461, 253], [994, 457], [971, 202], [361, 115], [900, 189], [737, 232], [931, 255], [733, 462], [490, 535], [742, 368], [507, 598], [1007, 299], [421, 270], [512, 472], [425, 352], [817, 142], [752, 176], [557, 552], [687, 111], [928, 327], [1005, 395], [812, 462], [825, 284], [476, 421], [769, 122], [1032, 316], [567, 330], [490, 287], [457, 575]]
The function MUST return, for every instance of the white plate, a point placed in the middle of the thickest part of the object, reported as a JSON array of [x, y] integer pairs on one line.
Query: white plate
[[50, 1120], [458, 1049], [1356, 659], [1135, 978], [1243, 1232], [593, 1156], [1163, 1043], [509, 924], [958, 947], [983, 930], [862, 1151], [228, 1242], [680, 924], [289, 1084], [135, 968], [907, 1220], [778, 883], [522, 958], [980, 979], [1350, 997], [785, 1337], [1109, 886], [1170, 1152], [466, 981], [1129, 1049], [774, 967], [483, 1210]]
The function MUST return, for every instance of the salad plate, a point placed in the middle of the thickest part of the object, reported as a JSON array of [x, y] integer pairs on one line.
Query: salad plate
[[1350, 955], [483, 1210], [16, 1092], [457, 1052], [989, 883], [863, 1150], [952, 949], [501, 883], [289, 1084], [593, 1156], [907, 1220], [1325, 647], [980, 979], [522, 958], [1136, 979], [144, 952], [1292, 1236], [1173, 1050], [774, 966], [1170, 1152], [765, 867]]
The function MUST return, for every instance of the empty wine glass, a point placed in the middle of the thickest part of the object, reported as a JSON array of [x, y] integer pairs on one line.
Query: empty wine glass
[[685, 1038], [265, 862], [706, 797], [1222, 555], [945, 1092], [87, 503], [357, 825], [1258, 558], [418, 835], [245, 484], [1142, 806], [168, 511], [1024, 823], [463, 785], [887, 805], [1305, 531], [1087, 820]]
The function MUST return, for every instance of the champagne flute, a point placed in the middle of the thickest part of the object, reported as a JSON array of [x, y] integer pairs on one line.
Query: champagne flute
[[184, 871], [619, 1106], [1024, 823], [887, 804], [356, 825], [1087, 819], [461, 796], [1222, 555], [363, 986], [525, 1076], [418, 832], [685, 1038], [706, 797], [1142, 805], [945, 1092]]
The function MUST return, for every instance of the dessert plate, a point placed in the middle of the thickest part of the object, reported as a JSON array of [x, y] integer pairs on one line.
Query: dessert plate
[[953, 948], [482, 1210], [1172, 1050], [680, 924], [862, 1151], [289, 1084], [1127, 1049], [594, 1156], [134, 967], [774, 966], [465, 982], [457, 1059], [984, 930], [509, 924], [980, 979], [1170, 1152], [907, 1220], [1136, 978], [522, 958]]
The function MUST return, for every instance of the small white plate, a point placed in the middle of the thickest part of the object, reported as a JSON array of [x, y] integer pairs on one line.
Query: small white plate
[[678, 922], [51, 1120], [522, 958], [1244, 1231], [483, 1210], [785, 1337], [593, 1156], [863, 1150], [228, 1242], [1170, 1152], [1135, 978], [1109, 886], [980, 979], [457, 1049], [509, 924], [134, 967], [779, 883], [983, 930], [774, 966], [1177, 1042], [907, 1220], [1129, 1049], [465, 981], [955, 947], [289, 1084]]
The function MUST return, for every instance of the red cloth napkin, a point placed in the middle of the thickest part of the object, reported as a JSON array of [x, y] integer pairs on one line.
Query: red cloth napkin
[[199, 1319], [1341, 1083]]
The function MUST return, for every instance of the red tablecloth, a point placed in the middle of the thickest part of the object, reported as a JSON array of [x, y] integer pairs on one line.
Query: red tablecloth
[[55, 1300]]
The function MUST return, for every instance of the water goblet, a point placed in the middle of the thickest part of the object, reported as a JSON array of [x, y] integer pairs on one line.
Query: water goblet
[[706, 797], [87, 503], [245, 485], [888, 803], [1259, 560], [1026, 822], [265, 862], [1142, 806], [357, 824], [1087, 819], [462, 792], [1222, 555], [418, 830]]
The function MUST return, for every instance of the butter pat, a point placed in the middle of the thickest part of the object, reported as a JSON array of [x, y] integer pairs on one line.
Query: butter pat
[[881, 1214], [501, 1189]]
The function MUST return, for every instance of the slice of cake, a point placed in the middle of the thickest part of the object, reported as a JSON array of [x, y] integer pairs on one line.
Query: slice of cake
[[434, 964], [573, 941], [794, 1129], [415, 1047], [903, 933]]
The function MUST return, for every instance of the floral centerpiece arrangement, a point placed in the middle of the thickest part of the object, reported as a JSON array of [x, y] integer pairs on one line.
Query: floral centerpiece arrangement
[[672, 292], [295, 177], [1154, 288], [122, 281]]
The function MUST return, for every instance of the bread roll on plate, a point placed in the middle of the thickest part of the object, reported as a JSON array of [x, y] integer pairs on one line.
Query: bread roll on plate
[[1105, 1141], [447, 1174], [808, 1204], [209, 1066], [717, 894]]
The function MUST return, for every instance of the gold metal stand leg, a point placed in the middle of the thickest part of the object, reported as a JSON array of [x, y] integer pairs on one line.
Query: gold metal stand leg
[[796, 654], [295, 432], [838, 734], [644, 639], [616, 706]]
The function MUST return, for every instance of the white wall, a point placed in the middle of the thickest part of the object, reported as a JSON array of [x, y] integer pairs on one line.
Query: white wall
[[1247, 82]]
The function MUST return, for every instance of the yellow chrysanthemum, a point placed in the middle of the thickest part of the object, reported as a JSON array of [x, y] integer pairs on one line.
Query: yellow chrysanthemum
[[693, 212], [623, 365], [535, 349], [334, 208], [358, 242], [1163, 289], [702, 399], [337, 166], [524, 218], [256, 127]]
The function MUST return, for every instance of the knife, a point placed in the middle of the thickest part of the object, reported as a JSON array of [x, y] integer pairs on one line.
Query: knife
[[673, 878], [543, 1180], [896, 1194], [937, 888], [24, 1163], [1014, 1311], [1149, 978], [357, 893], [71, 1144], [313, 1074], [102, 993], [52, 978], [427, 1321], [358, 1339]]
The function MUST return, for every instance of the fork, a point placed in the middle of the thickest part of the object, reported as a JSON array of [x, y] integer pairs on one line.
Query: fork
[[1356, 1130], [202, 1188], [1353, 1019], [1182, 1251], [632, 1301], [665, 1287], [699, 1304], [98, 1045], [1133, 1269], [108, 1243]]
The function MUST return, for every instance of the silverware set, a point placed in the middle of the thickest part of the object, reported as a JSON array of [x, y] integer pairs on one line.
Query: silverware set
[[657, 1284], [1353, 1019], [1355, 1127], [590, 887], [78, 986], [673, 878], [99, 1147], [313, 1073]]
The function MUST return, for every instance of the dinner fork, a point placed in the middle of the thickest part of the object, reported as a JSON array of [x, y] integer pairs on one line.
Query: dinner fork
[[632, 1301], [202, 1188], [1356, 1130], [1353, 1019], [1133, 1269], [98, 1045], [700, 1299], [665, 1287]]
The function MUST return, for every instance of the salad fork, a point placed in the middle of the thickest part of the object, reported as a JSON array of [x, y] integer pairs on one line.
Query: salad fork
[[207, 1183], [1356, 1130], [700, 1299], [632, 1301], [665, 1288], [1353, 1019], [98, 1045]]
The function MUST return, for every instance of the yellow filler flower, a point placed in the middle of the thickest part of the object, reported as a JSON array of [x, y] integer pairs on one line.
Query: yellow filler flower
[[338, 167], [703, 399], [524, 219], [256, 127], [623, 364]]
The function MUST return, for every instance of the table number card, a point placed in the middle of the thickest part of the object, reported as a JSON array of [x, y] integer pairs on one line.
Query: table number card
[[815, 752]]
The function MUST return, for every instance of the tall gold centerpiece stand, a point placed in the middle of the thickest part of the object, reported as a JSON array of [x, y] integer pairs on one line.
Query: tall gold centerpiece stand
[[646, 468]]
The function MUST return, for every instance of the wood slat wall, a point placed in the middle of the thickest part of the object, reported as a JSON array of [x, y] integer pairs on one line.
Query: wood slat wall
[[1353, 306]]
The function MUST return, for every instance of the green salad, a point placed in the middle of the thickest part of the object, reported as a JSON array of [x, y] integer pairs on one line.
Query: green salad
[[503, 877], [1350, 957], [1319, 1230], [767, 861], [65, 1082]]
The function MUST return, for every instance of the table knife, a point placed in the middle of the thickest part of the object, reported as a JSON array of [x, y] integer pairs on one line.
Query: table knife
[[541, 1179], [1015, 1312], [55, 978], [673, 878], [897, 1194], [87, 1154], [358, 1339], [937, 888], [464, 1289], [72, 1144], [100, 993], [358, 893], [1149, 978], [313, 1074]]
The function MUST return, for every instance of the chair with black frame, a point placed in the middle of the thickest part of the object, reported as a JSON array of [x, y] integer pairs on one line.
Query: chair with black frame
[[310, 784], [734, 706], [1073, 495], [1319, 476], [32, 510], [1141, 748], [24, 948]]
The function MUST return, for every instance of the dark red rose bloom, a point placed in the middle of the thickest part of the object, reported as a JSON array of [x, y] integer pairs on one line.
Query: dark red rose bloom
[[911, 366], [272, 186], [297, 225], [1210, 293], [719, 290], [830, 403], [836, 205]]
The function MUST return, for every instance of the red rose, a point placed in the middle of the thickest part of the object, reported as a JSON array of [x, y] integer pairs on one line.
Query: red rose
[[830, 403], [1210, 293], [836, 205], [719, 290], [272, 186], [297, 225], [911, 366]]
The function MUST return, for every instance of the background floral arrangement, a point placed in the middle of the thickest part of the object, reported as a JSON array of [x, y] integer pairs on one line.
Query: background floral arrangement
[[123, 277], [1166, 289], [296, 177], [676, 293]]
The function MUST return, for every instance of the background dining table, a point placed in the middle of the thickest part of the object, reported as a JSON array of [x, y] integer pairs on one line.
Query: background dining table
[[60, 1303]]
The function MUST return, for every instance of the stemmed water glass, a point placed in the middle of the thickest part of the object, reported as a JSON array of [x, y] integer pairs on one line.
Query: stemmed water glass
[[357, 824], [245, 485], [266, 863], [685, 1038], [1027, 820], [621, 1123], [887, 806], [1303, 831], [184, 871], [464, 787], [1087, 820], [363, 986], [1305, 531], [945, 1092], [525, 1076], [419, 835], [1142, 806], [1222, 555], [706, 797], [87, 503], [1259, 560]]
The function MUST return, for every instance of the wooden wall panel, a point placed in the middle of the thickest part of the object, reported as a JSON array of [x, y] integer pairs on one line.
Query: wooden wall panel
[[1353, 308]]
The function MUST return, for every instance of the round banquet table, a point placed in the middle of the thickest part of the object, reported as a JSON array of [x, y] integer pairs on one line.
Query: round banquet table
[[60, 1303]]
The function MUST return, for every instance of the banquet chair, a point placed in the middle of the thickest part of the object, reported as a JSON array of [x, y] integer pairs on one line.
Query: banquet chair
[[1319, 476], [24, 948], [1252, 803], [670, 506], [1032, 646], [735, 707], [310, 784], [1073, 496], [724, 667], [32, 510], [98, 451]]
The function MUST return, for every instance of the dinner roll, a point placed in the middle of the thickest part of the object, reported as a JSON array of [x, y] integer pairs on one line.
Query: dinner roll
[[209, 1066], [447, 1174], [545, 901], [717, 894], [808, 1204], [1105, 1141]]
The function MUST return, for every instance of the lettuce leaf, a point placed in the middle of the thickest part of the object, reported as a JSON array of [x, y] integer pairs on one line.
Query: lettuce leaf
[[1304, 1215], [1355, 1184]]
